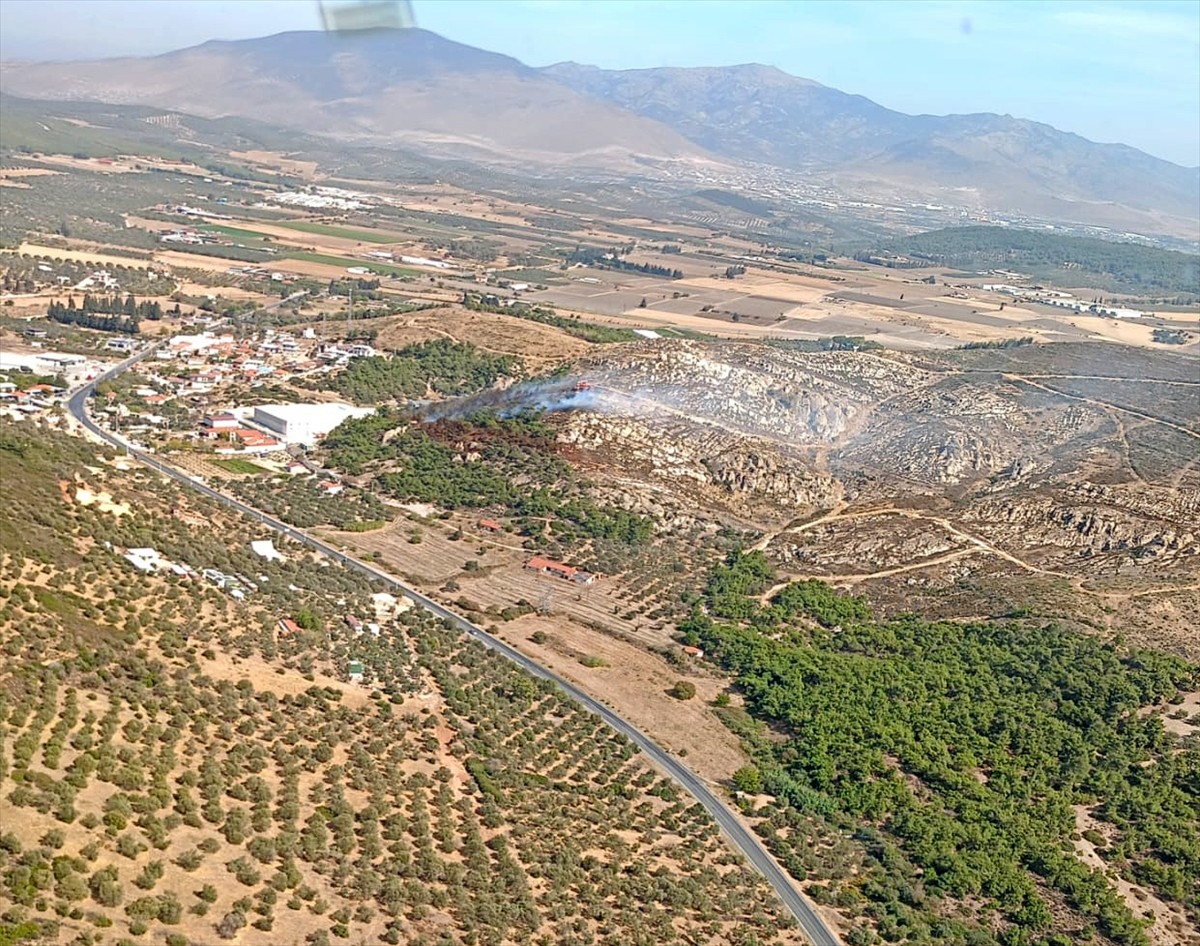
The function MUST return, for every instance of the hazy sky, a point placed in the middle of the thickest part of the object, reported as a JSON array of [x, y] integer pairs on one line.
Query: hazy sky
[[1111, 71]]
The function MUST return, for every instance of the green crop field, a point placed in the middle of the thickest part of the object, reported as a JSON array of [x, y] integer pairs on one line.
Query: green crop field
[[346, 261], [234, 232], [324, 229], [238, 465]]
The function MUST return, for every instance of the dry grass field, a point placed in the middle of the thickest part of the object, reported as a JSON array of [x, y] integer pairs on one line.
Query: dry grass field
[[539, 346]]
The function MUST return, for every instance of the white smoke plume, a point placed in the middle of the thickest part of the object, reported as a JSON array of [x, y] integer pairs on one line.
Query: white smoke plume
[[543, 395]]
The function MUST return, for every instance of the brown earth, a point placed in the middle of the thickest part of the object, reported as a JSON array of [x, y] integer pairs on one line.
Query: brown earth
[[538, 345]]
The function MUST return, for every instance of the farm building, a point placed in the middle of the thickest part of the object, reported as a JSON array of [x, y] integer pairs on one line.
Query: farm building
[[559, 570]]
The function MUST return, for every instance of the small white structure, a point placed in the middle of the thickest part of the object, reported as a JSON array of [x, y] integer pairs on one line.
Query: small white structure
[[144, 560], [265, 548]]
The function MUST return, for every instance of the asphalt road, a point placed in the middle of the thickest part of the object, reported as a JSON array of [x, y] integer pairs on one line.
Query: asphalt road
[[812, 925]]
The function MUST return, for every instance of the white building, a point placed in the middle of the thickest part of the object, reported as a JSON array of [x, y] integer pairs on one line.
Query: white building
[[304, 423], [1116, 312], [265, 548], [144, 560]]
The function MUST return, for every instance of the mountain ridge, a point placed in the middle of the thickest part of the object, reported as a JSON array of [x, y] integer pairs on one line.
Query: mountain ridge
[[417, 88]]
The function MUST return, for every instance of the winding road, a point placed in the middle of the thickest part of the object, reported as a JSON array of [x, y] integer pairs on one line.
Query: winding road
[[817, 931]]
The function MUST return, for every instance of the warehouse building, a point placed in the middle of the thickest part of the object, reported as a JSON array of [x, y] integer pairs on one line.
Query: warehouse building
[[305, 423]]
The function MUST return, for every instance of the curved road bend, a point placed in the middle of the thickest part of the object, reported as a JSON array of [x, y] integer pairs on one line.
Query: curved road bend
[[812, 924]]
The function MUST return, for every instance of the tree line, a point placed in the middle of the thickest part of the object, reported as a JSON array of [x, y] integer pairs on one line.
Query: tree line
[[116, 305], [611, 259], [69, 315], [588, 331]]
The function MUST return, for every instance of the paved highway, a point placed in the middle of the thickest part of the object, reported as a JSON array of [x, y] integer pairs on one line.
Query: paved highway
[[812, 925]]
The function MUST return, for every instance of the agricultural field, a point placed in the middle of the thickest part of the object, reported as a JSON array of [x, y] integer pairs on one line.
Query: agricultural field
[[348, 262], [341, 233], [238, 465], [172, 767]]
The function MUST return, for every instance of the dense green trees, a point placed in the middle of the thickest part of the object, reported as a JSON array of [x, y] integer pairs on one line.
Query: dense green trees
[[69, 315], [441, 366], [484, 461], [968, 744]]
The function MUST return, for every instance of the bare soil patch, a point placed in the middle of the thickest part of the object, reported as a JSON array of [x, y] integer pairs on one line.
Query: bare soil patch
[[635, 683], [13, 174], [266, 677], [212, 264]]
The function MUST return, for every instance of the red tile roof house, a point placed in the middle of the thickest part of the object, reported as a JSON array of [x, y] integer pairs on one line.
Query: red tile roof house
[[491, 525], [288, 627], [252, 438], [559, 570], [550, 567]]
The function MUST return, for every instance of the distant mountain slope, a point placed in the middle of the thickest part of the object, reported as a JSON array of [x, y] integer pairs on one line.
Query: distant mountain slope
[[411, 86], [414, 88], [761, 114]]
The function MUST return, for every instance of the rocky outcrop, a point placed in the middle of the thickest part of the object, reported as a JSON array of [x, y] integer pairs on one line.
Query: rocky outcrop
[[1093, 518], [732, 470]]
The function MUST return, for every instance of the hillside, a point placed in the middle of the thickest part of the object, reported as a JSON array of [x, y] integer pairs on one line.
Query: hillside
[[413, 88], [1062, 260], [758, 113]]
